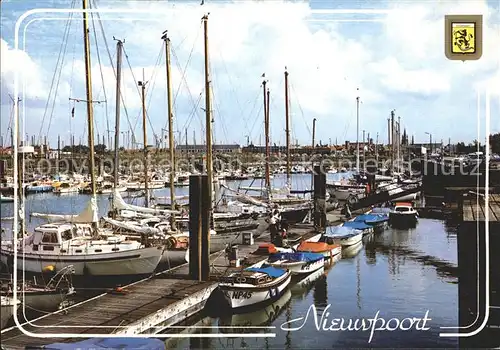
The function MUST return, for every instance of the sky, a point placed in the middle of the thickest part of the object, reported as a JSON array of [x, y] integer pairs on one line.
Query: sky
[[392, 60]]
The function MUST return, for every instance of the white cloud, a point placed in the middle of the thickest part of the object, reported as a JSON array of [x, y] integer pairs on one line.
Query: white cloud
[[17, 61]]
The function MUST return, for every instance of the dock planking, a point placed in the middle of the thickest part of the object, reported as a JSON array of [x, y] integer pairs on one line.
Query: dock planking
[[474, 208], [472, 248], [143, 306]]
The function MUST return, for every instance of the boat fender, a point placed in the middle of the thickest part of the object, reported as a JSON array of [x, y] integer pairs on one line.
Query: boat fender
[[352, 199], [273, 292], [241, 279], [49, 268], [171, 242]]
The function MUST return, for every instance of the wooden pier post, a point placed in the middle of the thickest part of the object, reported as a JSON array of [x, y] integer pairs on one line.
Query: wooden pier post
[[199, 227], [319, 198], [206, 209], [195, 209]]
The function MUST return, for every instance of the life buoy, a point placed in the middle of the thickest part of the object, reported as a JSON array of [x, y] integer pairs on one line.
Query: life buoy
[[241, 279], [352, 199]]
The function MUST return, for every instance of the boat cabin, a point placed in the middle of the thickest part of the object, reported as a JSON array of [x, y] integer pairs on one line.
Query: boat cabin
[[403, 208], [47, 237]]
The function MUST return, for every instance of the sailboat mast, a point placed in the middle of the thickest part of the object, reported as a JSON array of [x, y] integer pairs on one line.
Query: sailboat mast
[[90, 108], [119, 45], [208, 110], [287, 116], [20, 168], [170, 123], [142, 84], [268, 148], [357, 133]]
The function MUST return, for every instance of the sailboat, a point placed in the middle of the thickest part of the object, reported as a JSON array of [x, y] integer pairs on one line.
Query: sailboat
[[292, 209], [77, 239]]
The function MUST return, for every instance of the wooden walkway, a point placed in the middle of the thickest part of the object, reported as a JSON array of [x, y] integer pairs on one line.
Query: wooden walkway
[[474, 208], [142, 308]]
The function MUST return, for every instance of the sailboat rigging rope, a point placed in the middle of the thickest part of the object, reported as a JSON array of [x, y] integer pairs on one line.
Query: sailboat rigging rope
[[183, 79], [233, 90], [114, 71], [217, 109], [193, 112], [102, 78], [150, 89], [59, 63], [300, 107], [257, 99]]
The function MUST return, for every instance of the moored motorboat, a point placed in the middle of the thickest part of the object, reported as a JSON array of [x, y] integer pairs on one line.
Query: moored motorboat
[[403, 215], [360, 226], [297, 263], [255, 285], [378, 221], [243, 322], [326, 249], [345, 236]]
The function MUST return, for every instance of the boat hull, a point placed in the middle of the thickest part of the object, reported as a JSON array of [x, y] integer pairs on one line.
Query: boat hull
[[403, 220], [126, 263], [348, 241], [295, 216], [299, 267], [245, 297]]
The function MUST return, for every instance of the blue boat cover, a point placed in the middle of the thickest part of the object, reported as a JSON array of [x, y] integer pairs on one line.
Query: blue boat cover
[[298, 256], [341, 231], [269, 270], [381, 210], [372, 218], [110, 343], [359, 225]]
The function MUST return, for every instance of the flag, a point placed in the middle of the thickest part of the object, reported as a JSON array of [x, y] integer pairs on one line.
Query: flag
[[73, 112]]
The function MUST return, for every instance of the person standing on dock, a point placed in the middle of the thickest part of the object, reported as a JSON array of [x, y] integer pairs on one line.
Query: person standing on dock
[[274, 224]]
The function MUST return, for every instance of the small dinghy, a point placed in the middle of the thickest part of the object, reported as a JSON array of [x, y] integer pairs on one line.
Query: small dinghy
[[254, 285], [379, 222], [297, 263], [327, 250], [359, 225], [345, 236]]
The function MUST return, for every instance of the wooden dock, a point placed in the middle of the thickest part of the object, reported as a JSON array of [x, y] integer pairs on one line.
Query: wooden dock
[[145, 306], [472, 251]]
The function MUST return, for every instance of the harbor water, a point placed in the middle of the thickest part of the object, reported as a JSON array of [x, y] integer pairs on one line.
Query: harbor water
[[399, 274]]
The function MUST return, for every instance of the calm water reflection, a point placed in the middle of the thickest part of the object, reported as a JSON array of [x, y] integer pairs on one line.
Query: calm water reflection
[[401, 273]]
